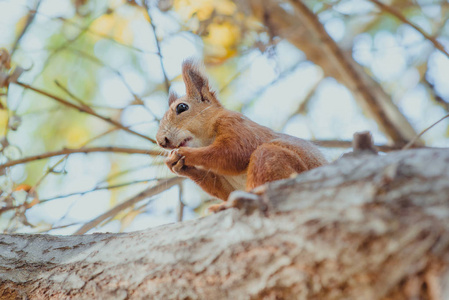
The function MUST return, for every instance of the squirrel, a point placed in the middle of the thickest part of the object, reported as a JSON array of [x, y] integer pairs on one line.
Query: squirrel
[[222, 150]]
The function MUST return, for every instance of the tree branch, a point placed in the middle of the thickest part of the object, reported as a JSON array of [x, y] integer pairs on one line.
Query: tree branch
[[31, 15], [81, 150], [162, 186], [302, 29], [99, 188], [398, 15], [345, 67], [159, 53], [366, 227], [84, 110], [410, 144]]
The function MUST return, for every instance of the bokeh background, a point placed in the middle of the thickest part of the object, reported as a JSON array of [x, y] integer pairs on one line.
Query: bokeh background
[[94, 75]]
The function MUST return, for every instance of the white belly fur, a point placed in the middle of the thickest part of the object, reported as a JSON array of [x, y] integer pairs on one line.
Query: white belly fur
[[238, 182]]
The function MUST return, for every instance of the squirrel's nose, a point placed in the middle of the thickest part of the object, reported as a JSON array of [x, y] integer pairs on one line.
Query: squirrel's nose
[[164, 143]]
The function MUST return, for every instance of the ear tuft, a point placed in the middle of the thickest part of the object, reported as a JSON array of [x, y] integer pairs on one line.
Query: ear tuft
[[194, 79], [172, 97]]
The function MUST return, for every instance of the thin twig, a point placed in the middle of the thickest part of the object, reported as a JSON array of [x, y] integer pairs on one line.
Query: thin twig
[[137, 99], [81, 150], [74, 97], [87, 29], [159, 53], [280, 77], [109, 187], [149, 192], [400, 16], [306, 101], [31, 15], [409, 144], [59, 227], [438, 99], [83, 109]]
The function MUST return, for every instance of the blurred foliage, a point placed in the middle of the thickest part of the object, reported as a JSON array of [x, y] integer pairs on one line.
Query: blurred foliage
[[112, 57]]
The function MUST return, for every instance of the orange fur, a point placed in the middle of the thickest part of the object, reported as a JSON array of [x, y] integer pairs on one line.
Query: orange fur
[[222, 150]]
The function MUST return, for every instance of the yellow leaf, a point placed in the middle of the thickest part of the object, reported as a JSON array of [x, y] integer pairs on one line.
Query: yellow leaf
[[114, 26], [202, 9], [224, 35], [225, 7], [221, 42]]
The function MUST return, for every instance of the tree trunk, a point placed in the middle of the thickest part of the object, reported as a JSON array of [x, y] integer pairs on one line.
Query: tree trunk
[[364, 227]]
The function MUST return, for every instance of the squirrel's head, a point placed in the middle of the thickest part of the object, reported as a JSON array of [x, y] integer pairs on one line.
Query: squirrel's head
[[187, 123]]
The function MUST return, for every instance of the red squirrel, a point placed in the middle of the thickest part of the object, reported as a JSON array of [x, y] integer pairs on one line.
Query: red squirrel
[[222, 150]]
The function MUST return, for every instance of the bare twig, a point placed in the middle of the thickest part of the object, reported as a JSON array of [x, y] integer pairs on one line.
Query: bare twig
[[400, 16], [438, 99], [280, 77], [159, 53], [109, 187], [67, 44], [83, 109], [162, 186], [31, 15], [137, 99], [87, 29], [81, 150], [409, 144], [80, 102], [59, 227], [306, 100]]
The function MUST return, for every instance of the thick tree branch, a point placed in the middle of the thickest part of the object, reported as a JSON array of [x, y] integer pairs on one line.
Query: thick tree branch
[[303, 29], [366, 227], [344, 65], [321, 143]]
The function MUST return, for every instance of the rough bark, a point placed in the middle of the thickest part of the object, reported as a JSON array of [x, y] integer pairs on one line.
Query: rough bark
[[364, 227], [301, 28]]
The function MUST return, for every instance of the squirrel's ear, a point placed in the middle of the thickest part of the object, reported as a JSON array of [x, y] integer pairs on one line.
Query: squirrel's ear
[[172, 97], [197, 85]]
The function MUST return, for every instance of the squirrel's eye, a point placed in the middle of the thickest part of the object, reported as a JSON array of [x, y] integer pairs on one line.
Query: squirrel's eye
[[181, 108]]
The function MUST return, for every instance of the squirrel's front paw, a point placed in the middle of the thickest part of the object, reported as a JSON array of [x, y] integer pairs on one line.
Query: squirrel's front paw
[[175, 162], [172, 159], [179, 168]]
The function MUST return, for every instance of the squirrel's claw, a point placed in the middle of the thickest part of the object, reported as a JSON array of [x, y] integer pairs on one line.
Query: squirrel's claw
[[178, 166]]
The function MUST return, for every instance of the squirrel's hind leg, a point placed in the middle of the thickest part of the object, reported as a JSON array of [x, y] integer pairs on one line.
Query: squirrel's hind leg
[[270, 162]]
